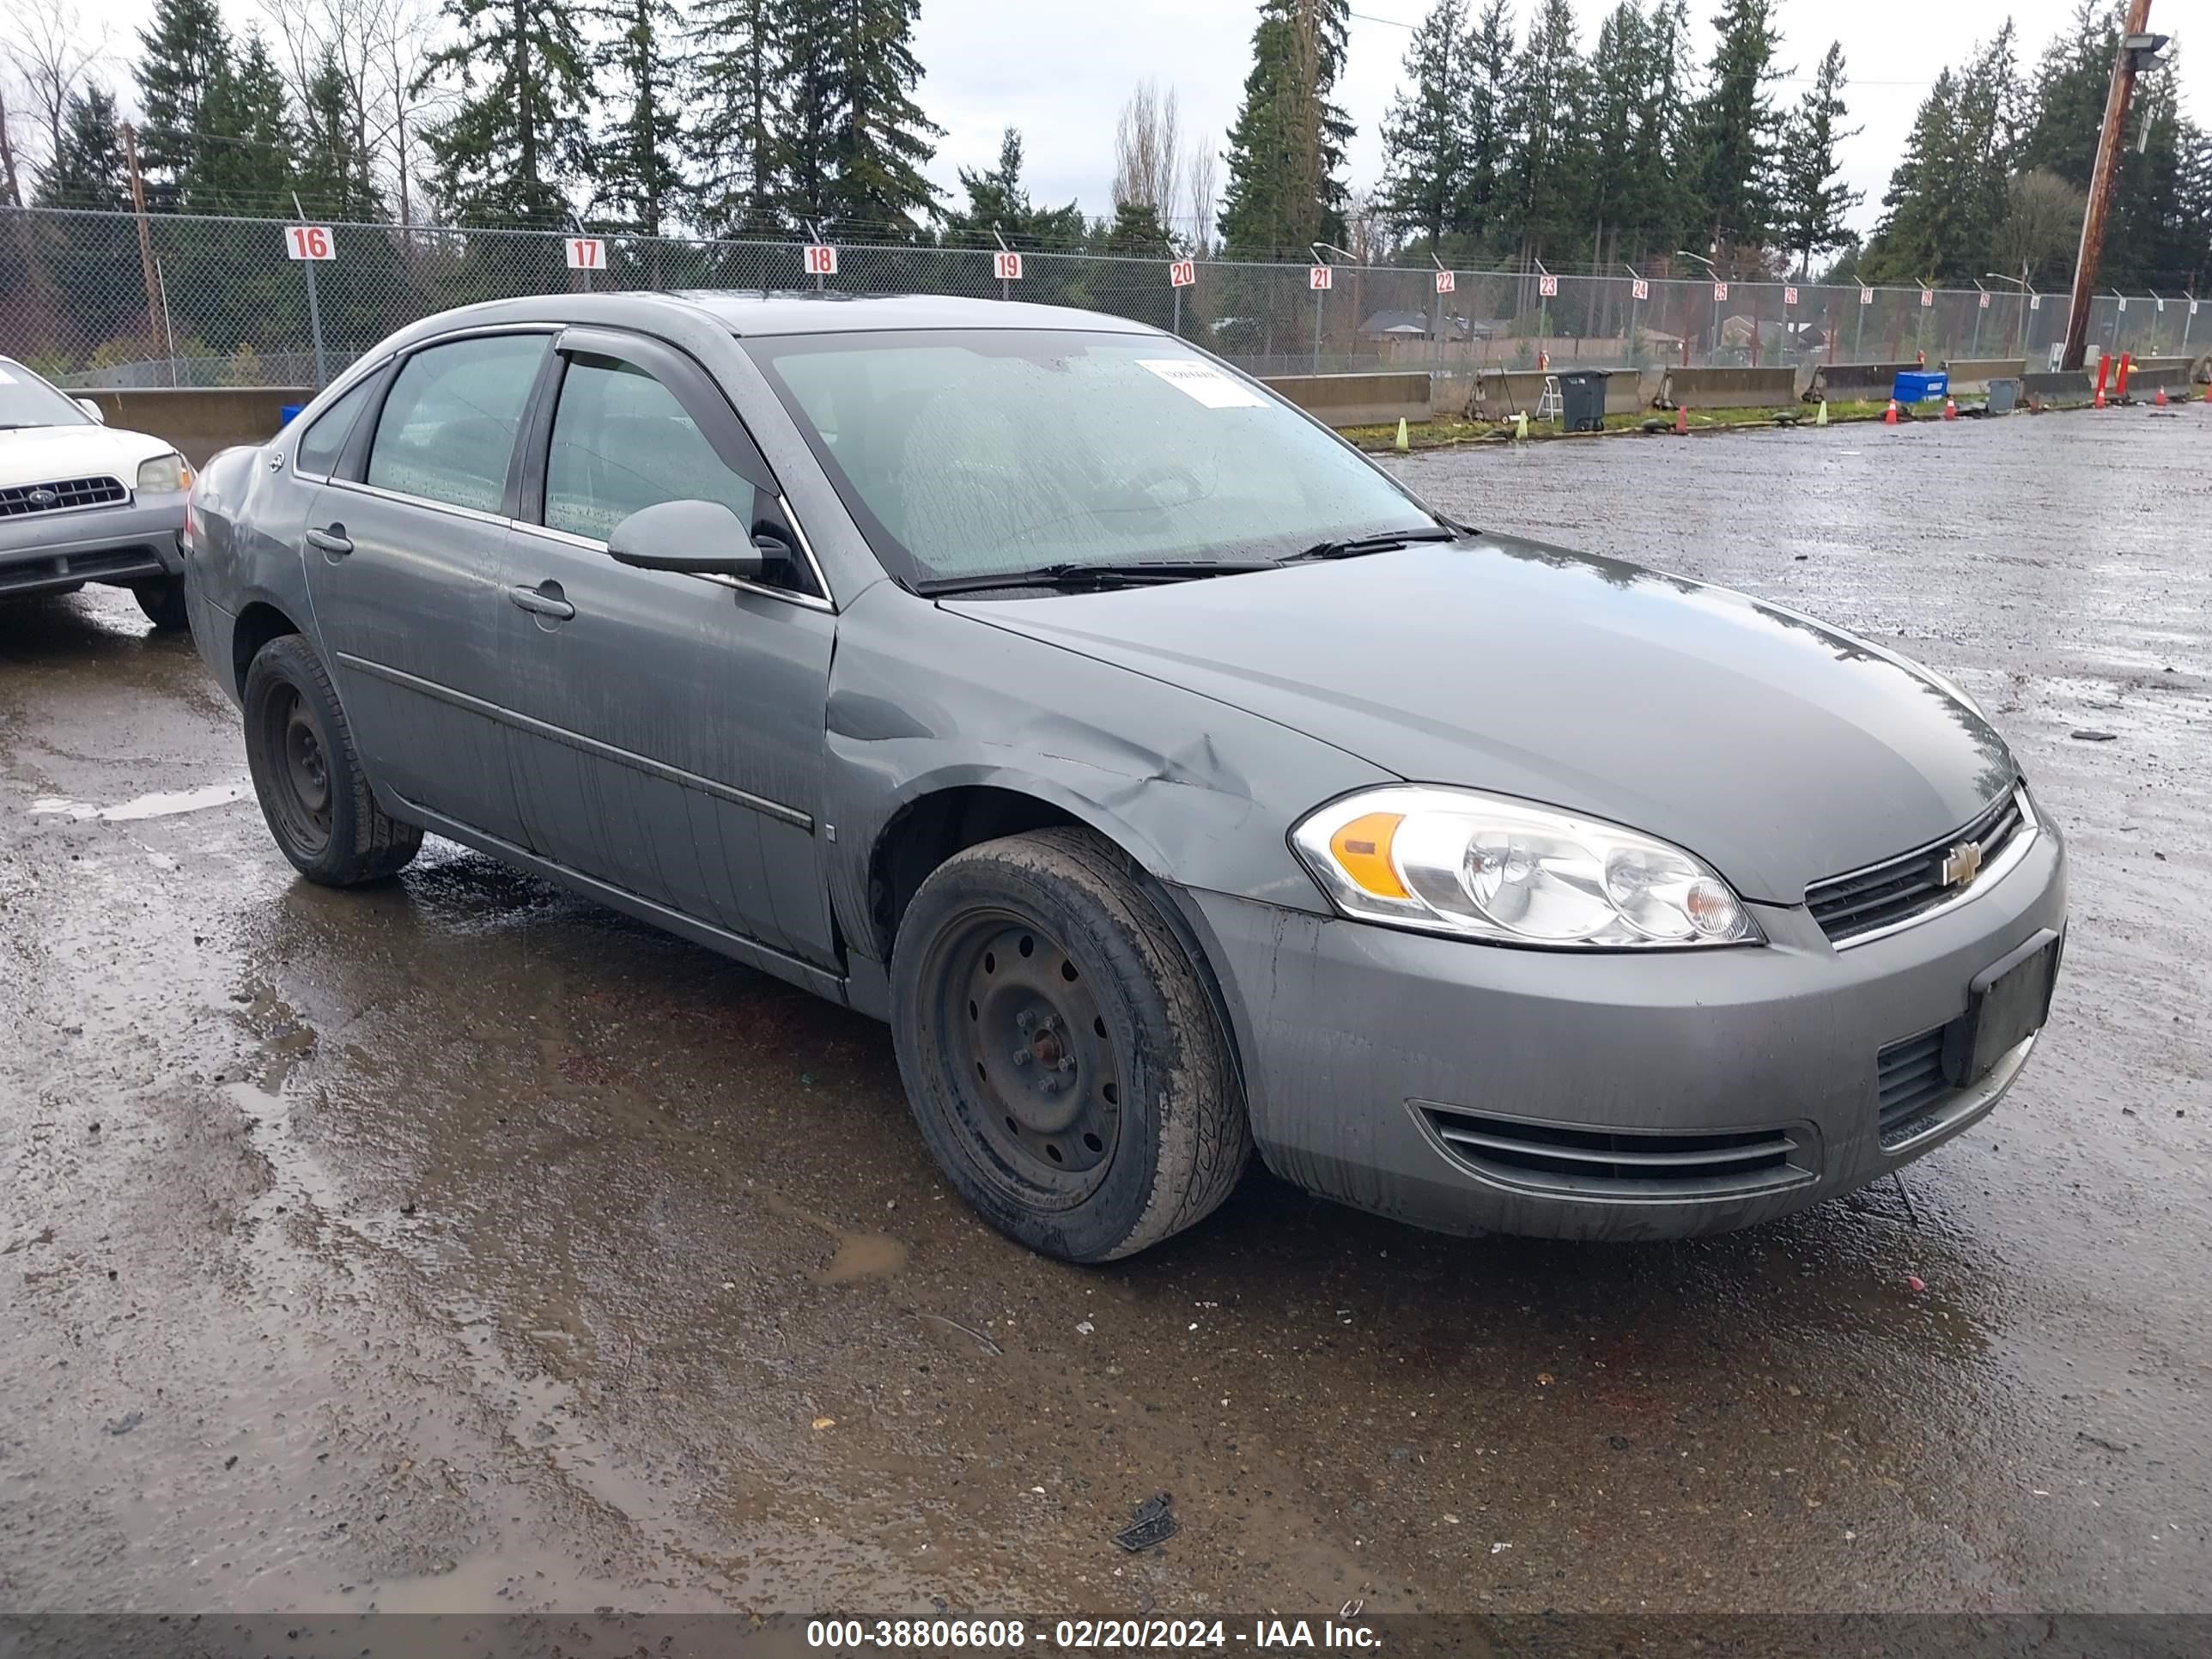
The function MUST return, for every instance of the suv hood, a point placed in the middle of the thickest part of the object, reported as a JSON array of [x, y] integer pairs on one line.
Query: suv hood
[[42, 454], [1778, 750]]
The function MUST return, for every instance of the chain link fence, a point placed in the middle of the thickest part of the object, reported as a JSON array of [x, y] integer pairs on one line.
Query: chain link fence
[[226, 305]]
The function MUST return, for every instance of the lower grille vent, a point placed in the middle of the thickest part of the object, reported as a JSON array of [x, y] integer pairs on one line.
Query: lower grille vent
[[1603, 1163]]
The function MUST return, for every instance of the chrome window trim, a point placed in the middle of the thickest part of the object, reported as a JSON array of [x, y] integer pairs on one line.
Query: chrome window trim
[[347, 384], [1989, 876], [807, 601], [378, 492], [401, 357]]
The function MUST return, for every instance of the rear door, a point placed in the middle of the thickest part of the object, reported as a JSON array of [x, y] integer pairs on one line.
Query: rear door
[[670, 731], [404, 549]]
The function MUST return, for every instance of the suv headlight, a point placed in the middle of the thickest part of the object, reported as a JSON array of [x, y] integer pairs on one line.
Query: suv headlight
[[164, 475], [1489, 868]]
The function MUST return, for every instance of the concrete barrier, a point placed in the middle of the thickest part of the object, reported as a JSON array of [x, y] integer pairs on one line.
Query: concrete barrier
[[199, 421], [1842, 383], [1497, 394], [1729, 388], [1356, 399], [2061, 389], [1972, 375]]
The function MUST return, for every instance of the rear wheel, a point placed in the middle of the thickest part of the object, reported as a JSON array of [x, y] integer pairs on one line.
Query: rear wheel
[[313, 792], [163, 601], [1060, 1053]]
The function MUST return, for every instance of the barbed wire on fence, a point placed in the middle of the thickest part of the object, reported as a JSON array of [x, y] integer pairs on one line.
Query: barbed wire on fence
[[226, 305]]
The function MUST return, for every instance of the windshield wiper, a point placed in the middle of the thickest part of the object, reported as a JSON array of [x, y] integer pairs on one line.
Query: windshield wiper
[[1074, 576], [1381, 542]]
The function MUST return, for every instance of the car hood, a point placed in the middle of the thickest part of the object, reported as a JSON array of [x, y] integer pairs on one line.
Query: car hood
[[1778, 750], [43, 454]]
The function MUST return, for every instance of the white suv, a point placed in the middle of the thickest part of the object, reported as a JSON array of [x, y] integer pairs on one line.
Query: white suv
[[81, 502]]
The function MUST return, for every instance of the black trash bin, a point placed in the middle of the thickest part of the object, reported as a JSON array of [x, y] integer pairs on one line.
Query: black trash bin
[[1582, 398]]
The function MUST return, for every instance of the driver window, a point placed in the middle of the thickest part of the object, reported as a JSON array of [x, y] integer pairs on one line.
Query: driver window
[[621, 442]]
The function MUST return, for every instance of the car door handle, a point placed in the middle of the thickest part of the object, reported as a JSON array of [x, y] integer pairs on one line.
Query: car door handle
[[540, 603], [331, 539]]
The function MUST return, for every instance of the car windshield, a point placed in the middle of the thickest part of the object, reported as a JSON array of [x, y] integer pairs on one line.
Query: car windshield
[[26, 400], [969, 453]]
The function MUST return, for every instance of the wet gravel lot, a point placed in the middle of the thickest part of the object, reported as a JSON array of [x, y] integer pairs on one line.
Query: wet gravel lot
[[459, 1245]]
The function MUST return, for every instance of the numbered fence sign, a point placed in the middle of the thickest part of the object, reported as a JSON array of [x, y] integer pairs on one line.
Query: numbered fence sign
[[1788, 296], [1720, 291], [586, 253], [1182, 273], [821, 260], [309, 242], [2124, 302], [1866, 296], [1006, 265], [1319, 277], [1447, 281], [1927, 298], [2160, 304], [2193, 307], [1548, 286], [2035, 303], [1639, 289], [1984, 300]]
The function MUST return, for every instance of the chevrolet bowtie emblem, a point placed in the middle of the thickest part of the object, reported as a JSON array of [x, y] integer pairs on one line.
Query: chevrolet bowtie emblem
[[1961, 863]]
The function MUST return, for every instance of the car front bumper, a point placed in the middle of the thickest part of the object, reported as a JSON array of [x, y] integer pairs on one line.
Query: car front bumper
[[1455, 1085], [134, 541]]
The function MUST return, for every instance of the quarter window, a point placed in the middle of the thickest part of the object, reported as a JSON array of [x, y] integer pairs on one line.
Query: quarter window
[[448, 425], [623, 442], [325, 441]]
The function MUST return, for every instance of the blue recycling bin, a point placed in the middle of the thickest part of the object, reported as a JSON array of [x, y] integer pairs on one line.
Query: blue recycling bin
[[285, 412], [1919, 385]]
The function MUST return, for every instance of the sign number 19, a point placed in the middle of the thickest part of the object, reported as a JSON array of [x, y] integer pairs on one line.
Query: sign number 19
[[309, 242]]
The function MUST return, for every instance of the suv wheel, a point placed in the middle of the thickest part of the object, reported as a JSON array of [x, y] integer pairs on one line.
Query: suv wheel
[[163, 601], [313, 792], [1059, 1052]]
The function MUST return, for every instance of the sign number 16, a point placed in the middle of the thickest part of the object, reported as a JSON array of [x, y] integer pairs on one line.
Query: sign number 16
[[309, 242]]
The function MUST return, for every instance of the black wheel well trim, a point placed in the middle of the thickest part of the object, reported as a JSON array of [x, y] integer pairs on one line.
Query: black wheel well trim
[[926, 831], [259, 622]]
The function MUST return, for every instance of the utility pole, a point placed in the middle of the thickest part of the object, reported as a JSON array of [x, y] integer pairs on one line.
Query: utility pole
[[155, 310], [2137, 46]]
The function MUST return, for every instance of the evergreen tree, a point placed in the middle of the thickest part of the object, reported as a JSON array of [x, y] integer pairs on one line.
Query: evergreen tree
[[1424, 140], [242, 144], [87, 169], [91, 262], [1949, 195], [1135, 232], [335, 176], [854, 140], [180, 52], [1664, 176], [736, 145], [999, 205], [516, 140], [1734, 126], [1812, 201], [2072, 79], [1487, 106], [1285, 155], [639, 173], [1547, 176], [1920, 208], [1620, 92]]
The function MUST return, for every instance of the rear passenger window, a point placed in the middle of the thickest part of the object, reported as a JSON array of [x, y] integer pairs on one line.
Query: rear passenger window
[[623, 442], [448, 425], [325, 440]]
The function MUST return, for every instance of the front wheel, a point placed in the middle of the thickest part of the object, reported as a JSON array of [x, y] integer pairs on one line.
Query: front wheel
[[162, 600], [1062, 1056], [313, 792]]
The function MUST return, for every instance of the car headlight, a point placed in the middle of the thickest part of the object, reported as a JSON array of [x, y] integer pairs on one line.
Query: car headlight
[[1489, 868], [164, 475]]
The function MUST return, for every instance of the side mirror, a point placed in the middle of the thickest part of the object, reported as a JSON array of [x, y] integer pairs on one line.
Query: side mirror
[[698, 539], [93, 410]]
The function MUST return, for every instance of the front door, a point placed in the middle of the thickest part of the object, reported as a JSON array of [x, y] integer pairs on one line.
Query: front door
[[403, 554], [669, 731]]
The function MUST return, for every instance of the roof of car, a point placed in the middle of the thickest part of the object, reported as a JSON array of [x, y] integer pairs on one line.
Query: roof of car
[[755, 311]]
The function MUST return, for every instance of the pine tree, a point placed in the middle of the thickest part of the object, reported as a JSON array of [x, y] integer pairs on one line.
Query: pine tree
[[1664, 172], [1919, 208], [1948, 195], [92, 262], [639, 172], [2071, 80], [1620, 93], [736, 145], [1285, 153], [180, 52], [87, 169], [1547, 176], [335, 176], [853, 139], [999, 205], [1813, 202], [1487, 105], [1424, 141], [1734, 126], [242, 141], [508, 153]]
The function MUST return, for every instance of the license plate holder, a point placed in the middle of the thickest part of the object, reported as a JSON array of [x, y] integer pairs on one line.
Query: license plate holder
[[2006, 1003]]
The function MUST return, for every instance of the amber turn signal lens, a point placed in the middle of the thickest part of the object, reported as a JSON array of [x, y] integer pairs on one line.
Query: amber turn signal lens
[[1363, 851]]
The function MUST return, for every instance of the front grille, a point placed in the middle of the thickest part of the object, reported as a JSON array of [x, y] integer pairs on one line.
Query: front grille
[[1909, 1079], [1602, 1162], [15, 501], [1899, 889]]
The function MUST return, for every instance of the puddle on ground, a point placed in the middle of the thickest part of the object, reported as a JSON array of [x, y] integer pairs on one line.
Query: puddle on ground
[[161, 805]]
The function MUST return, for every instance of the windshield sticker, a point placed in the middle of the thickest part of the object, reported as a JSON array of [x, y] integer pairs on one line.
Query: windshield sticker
[[6, 379], [1201, 381]]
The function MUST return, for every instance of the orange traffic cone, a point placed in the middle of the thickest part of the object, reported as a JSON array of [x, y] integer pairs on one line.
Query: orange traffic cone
[[1890, 419], [1950, 408], [1681, 422], [2160, 399]]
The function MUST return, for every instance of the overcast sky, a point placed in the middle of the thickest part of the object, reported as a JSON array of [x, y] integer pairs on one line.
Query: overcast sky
[[1058, 70]]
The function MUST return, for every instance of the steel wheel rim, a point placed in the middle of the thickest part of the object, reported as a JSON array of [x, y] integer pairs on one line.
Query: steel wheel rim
[[1031, 1055], [302, 769]]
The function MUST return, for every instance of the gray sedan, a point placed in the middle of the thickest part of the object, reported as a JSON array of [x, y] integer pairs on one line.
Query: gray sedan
[[1170, 779]]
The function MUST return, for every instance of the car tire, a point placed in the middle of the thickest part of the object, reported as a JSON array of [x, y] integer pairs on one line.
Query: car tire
[[1060, 1053], [313, 792], [163, 602]]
